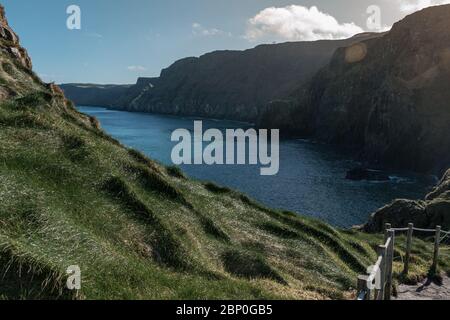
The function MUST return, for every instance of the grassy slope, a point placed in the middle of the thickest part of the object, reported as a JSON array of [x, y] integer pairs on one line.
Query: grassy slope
[[70, 195]]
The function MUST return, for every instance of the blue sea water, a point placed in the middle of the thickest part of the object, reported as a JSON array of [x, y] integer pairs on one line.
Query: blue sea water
[[311, 180]]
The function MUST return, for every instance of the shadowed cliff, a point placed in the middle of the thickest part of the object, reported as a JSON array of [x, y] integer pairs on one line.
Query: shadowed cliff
[[222, 84], [388, 97]]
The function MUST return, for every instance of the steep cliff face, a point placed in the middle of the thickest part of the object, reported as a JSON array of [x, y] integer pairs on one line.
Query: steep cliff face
[[233, 84], [429, 213], [388, 97], [227, 84]]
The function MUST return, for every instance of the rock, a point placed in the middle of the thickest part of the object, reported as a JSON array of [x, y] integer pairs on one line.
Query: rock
[[442, 190], [438, 212], [94, 95], [399, 213], [359, 174], [13, 46], [428, 214]]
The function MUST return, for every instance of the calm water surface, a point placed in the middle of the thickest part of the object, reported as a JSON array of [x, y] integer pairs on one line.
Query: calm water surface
[[311, 180]]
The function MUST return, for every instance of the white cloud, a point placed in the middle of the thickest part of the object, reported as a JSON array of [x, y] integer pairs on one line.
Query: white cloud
[[298, 23], [136, 68], [199, 30], [409, 6]]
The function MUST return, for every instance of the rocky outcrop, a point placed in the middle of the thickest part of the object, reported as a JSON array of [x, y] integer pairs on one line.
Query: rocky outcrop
[[442, 190], [388, 97], [14, 60], [10, 42], [433, 211], [226, 84]]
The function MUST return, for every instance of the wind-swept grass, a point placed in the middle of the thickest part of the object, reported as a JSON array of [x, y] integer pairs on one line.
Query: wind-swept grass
[[250, 266], [72, 195], [176, 172]]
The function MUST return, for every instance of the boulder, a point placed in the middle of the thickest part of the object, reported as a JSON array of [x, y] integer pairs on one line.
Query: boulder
[[399, 213], [433, 211]]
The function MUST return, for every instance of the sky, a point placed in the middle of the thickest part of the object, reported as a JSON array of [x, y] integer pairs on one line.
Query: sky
[[120, 40]]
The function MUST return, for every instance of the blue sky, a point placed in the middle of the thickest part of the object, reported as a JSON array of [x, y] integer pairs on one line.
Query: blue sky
[[120, 40]]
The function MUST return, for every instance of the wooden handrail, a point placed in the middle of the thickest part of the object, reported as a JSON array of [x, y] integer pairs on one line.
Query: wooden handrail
[[382, 271], [380, 275]]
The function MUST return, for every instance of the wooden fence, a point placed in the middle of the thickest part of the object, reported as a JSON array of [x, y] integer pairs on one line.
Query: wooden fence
[[377, 284]]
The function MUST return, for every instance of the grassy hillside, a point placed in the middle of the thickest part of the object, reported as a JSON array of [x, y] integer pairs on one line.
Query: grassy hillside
[[71, 195]]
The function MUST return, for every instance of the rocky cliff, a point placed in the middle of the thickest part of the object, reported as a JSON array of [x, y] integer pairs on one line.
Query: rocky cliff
[[16, 57], [224, 84], [10, 43], [429, 213], [388, 97]]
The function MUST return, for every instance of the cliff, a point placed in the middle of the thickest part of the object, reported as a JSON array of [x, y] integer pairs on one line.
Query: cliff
[[226, 84], [387, 97]]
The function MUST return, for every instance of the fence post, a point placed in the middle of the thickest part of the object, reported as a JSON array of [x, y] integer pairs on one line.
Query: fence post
[[408, 248], [387, 227], [389, 265], [382, 253], [362, 287], [437, 241]]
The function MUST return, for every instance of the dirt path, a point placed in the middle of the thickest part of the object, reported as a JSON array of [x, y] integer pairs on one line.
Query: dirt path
[[425, 291]]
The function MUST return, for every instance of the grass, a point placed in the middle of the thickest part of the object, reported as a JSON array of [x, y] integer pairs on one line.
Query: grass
[[72, 195], [153, 180], [8, 68], [176, 172], [250, 266], [216, 189], [165, 248], [213, 230], [34, 100], [279, 231], [37, 281]]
